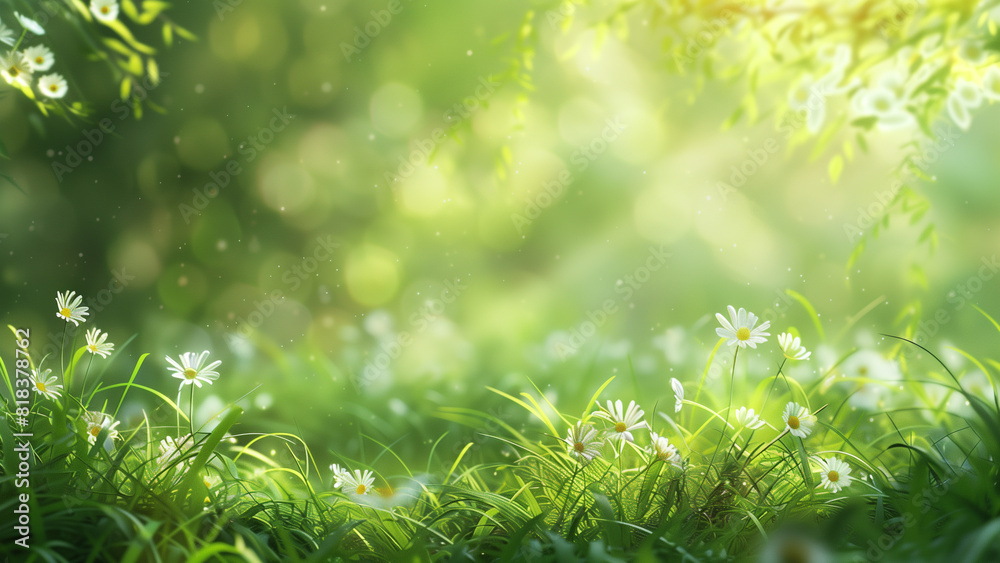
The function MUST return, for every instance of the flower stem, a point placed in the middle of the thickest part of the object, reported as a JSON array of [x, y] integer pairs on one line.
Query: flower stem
[[722, 433], [191, 412], [766, 397], [86, 374]]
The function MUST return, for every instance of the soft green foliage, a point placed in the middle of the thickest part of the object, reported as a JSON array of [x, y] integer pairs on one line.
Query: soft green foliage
[[421, 276], [924, 483], [132, 62]]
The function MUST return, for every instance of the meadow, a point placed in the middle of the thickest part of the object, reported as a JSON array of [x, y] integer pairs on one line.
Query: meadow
[[615, 280]]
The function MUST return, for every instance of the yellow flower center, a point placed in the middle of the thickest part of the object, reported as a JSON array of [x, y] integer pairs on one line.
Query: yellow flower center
[[54, 88], [105, 10], [793, 422], [14, 71], [620, 427], [579, 447], [361, 489], [862, 370], [190, 373], [40, 385], [39, 60], [95, 430], [65, 310], [743, 333], [833, 476], [92, 348]]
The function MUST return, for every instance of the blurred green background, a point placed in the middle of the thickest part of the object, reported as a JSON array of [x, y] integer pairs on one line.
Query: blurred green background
[[408, 212]]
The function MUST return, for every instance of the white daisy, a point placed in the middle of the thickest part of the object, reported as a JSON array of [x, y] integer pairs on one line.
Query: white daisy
[[837, 55], [357, 482], [191, 370], [741, 330], [171, 450], [664, 451], [104, 10], [7, 35], [98, 421], [797, 419], [810, 95], [968, 93], [836, 474], [991, 83], [678, 394], [929, 46], [70, 309], [583, 442], [792, 347], [40, 58], [874, 374], [958, 111], [96, 343], [338, 475], [746, 417], [29, 24], [973, 52], [16, 69], [53, 85], [791, 544], [886, 103], [45, 385], [624, 421]]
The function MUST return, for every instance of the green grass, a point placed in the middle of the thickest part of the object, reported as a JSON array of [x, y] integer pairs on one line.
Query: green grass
[[926, 482]]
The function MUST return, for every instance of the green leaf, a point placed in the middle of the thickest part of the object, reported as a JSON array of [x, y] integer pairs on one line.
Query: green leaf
[[154, 70], [207, 449], [733, 118], [826, 137], [13, 183], [865, 123], [807, 475], [835, 168], [809, 308], [129, 8]]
